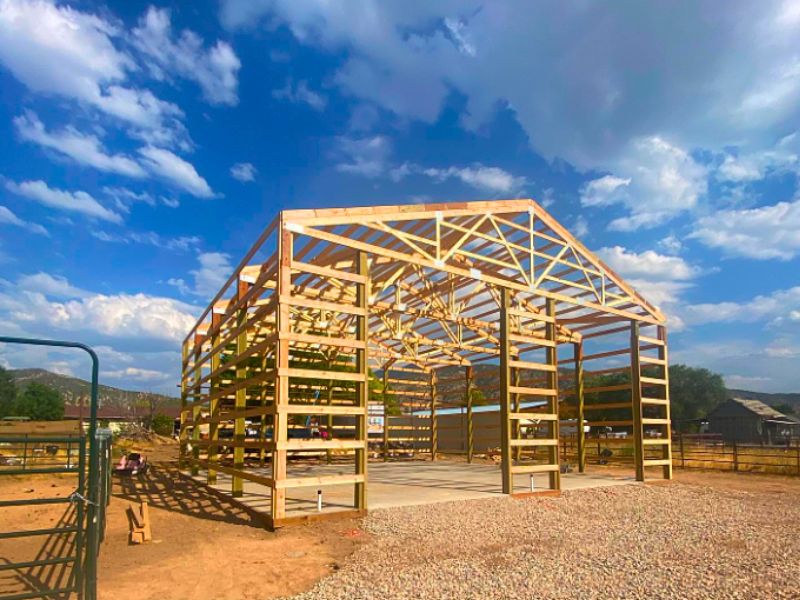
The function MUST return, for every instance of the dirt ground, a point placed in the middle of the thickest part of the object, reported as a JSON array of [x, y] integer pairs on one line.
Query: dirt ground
[[205, 548]]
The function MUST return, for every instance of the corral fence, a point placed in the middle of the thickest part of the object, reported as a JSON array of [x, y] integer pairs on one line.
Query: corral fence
[[709, 451], [60, 560]]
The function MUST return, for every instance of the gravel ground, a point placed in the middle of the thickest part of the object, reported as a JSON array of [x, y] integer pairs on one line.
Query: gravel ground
[[674, 541]]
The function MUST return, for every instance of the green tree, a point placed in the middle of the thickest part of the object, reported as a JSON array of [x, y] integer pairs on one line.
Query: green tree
[[8, 393], [40, 403], [162, 424], [694, 392]]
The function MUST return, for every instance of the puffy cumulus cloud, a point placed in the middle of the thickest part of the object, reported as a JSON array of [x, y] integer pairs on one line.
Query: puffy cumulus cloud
[[213, 271], [128, 316], [776, 308], [9, 218], [766, 232], [367, 156], [175, 170], [50, 285], [79, 201], [614, 74], [662, 280], [656, 181], [137, 374], [491, 179], [648, 264], [243, 172], [59, 50], [85, 149], [214, 69], [301, 93], [603, 190]]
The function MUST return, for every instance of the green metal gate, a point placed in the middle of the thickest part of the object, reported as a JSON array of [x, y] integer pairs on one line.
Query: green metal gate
[[66, 564]]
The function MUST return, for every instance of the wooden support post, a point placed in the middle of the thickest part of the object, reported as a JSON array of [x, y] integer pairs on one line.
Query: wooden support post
[[362, 387], [581, 435], [516, 428], [636, 402], [434, 429], [198, 344], [182, 452], [240, 402], [551, 358], [385, 412], [262, 427], [666, 453], [329, 420], [470, 431], [213, 426], [505, 395], [280, 420]]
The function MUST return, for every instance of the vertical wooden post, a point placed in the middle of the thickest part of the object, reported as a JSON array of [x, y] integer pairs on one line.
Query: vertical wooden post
[[182, 459], [470, 430], [683, 453], [214, 400], [505, 396], [262, 428], [551, 354], [329, 420], [386, 412], [362, 387], [666, 452], [281, 420], [581, 435], [515, 426], [434, 430], [196, 405], [636, 402], [240, 402]]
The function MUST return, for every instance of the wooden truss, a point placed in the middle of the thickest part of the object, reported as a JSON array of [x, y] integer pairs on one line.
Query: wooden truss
[[329, 303]]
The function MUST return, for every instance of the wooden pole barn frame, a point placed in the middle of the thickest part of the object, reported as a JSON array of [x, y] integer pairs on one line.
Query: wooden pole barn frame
[[328, 302]]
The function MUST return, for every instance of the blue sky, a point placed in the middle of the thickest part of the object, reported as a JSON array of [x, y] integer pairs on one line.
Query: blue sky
[[147, 145]]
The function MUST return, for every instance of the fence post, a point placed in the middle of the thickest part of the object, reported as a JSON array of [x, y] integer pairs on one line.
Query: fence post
[[25, 453], [735, 457], [683, 455], [798, 457]]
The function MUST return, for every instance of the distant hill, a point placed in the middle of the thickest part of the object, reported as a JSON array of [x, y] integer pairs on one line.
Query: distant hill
[[793, 399], [73, 389]]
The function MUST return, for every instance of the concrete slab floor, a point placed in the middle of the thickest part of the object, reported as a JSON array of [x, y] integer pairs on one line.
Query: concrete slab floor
[[405, 483]]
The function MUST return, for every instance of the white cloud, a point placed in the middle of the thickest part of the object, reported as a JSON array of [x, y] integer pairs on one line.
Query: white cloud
[[491, 179], [181, 243], [84, 149], [79, 201], [735, 76], [9, 218], [661, 279], [364, 156], [765, 232], [50, 285], [124, 198], [215, 269], [137, 374], [601, 191], [670, 244], [648, 264], [580, 227], [243, 172], [215, 69], [117, 315], [59, 50], [777, 307], [301, 94], [175, 170], [655, 182]]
